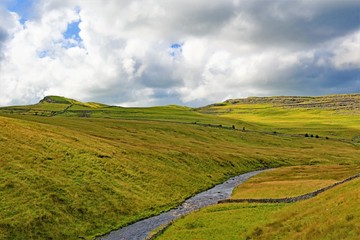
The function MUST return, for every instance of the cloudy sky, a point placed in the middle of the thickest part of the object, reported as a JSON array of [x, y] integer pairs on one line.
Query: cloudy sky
[[190, 52]]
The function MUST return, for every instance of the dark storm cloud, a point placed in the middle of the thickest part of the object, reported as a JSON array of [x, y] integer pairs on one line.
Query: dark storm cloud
[[297, 22], [310, 79], [205, 19], [157, 76]]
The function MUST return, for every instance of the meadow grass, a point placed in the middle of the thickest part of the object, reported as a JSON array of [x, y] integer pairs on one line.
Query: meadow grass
[[66, 177], [224, 221], [293, 181], [297, 119], [65, 107], [73, 177], [330, 215]]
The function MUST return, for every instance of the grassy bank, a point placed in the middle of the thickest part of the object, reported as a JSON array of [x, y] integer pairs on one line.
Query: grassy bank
[[293, 181], [330, 215]]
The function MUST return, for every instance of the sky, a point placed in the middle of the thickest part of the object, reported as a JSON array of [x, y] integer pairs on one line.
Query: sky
[[193, 53]]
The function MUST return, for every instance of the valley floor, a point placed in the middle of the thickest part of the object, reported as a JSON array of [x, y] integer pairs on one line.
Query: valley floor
[[333, 214], [80, 170]]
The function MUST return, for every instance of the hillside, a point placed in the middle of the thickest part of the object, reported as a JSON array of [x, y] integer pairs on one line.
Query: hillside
[[330, 215], [333, 116], [78, 170], [339, 102], [51, 106]]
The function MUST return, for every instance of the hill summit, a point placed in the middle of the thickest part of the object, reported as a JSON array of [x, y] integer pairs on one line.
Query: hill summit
[[57, 99]]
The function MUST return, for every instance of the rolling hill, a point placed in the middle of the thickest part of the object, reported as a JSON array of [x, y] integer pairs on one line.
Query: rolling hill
[[72, 170]]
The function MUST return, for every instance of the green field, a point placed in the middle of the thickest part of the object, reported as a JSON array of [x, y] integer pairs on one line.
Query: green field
[[331, 215], [330, 116], [71, 170], [293, 181]]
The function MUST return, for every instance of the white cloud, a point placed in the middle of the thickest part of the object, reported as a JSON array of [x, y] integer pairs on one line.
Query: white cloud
[[157, 52], [347, 53], [194, 51]]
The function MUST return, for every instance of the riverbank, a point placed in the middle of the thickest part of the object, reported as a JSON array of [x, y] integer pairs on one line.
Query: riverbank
[[140, 230]]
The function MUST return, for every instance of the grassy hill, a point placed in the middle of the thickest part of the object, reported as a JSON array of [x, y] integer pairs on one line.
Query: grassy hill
[[333, 116], [338, 102], [330, 215], [72, 170]]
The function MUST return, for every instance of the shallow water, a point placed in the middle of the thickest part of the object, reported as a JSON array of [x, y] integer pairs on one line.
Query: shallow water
[[141, 229]]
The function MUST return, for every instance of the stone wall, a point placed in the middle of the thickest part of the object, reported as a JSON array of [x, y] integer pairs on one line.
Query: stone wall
[[289, 199]]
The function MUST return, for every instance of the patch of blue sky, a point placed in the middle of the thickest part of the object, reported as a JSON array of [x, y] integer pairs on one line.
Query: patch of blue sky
[[176, 45], [72, 31], [175, 49], [22, 7], [71, 35]]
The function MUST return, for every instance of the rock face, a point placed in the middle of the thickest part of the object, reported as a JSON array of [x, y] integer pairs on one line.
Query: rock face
[[47, 99], [56, 99]]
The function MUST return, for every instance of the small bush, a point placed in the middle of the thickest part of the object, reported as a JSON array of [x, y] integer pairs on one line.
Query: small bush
[[306, 135]]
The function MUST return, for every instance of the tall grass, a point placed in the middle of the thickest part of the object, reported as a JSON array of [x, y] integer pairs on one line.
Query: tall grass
[[67, 177]]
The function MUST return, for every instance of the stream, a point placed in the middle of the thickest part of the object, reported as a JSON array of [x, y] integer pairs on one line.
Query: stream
[[140, 230]]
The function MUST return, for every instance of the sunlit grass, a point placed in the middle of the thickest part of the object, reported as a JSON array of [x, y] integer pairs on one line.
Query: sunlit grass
[[225, 221], [333, 214], [293, 181], [297, 119], [93, 168]]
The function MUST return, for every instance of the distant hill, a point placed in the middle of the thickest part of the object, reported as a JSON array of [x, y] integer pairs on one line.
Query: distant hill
[[333, 102], [64, 100], [51, 106]]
